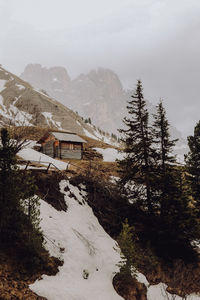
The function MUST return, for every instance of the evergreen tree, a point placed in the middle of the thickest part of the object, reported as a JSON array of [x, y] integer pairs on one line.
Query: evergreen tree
[[192, 160], [162, 138], [165, 158], [178, 224], [16, 187], [129, 254], [136, 168]]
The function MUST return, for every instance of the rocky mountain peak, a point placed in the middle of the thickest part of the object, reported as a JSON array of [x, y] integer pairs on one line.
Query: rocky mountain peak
[[105, 77], [55, 78]]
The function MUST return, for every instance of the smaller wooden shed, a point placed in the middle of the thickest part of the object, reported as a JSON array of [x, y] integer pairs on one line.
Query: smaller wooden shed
[[62, 145]]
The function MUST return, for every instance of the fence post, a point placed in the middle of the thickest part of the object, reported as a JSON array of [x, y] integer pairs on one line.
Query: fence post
[[27, 165], [48, 168]]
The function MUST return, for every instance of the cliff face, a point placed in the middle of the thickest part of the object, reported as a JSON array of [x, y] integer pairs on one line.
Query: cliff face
[[98, 94]]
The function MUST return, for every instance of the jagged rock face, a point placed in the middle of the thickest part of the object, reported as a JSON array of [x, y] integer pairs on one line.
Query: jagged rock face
[[53, 79], [20, 104], [98, 94]]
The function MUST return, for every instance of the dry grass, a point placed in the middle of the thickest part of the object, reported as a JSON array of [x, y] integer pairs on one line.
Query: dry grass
[[98, 168]]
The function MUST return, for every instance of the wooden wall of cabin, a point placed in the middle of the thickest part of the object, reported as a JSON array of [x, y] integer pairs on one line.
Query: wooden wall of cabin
[[71, 150], [48, 148], [63, 150]]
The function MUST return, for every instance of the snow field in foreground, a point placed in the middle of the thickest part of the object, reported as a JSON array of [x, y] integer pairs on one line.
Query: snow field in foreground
[[89, 257]]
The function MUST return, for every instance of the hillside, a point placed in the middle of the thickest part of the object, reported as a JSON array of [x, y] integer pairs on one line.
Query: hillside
[[92, 95], [20, 104]]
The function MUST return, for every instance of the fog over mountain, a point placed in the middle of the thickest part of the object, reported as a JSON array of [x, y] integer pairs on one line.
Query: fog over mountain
[[98, 95], [156, 41]]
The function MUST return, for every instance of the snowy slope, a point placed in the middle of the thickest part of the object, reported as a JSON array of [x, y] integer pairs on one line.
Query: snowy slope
[[110, 154], [43, 159], [89, 257], [21, 104]]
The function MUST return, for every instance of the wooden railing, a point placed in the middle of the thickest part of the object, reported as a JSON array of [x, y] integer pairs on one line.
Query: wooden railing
[[49, 164]]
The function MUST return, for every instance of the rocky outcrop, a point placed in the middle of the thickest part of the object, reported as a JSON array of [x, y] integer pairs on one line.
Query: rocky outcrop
[[98, 94]]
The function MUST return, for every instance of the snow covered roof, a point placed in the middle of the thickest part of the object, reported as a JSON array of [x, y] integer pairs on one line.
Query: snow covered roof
[[68, 137]]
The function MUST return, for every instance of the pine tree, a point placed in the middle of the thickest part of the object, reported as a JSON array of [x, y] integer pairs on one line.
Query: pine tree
[[162, 138], [165, 157], [16, 188], [136, 168], [178, 224], [129, 254], [192, 160]]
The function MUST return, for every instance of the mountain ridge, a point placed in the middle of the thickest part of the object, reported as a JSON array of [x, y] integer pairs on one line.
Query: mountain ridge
[[20, 104], [98, 95]]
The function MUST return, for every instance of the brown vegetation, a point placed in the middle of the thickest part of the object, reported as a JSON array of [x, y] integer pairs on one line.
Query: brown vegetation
[[15, 280], [129, 288]]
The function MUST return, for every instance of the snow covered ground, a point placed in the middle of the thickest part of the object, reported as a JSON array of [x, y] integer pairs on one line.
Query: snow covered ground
[[89, 257], [2, 84], [109, 154], [43, 159], [158, 291]]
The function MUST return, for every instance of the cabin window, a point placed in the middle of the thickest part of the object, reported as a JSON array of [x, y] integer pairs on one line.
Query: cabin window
[[67, 146], [77, 146]]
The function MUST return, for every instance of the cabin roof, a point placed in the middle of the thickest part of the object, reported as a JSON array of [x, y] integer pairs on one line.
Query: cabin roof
[[68, 137]]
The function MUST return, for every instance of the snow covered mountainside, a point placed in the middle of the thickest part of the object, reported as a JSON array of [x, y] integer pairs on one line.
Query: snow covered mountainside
[[20, 104], [90, 255]]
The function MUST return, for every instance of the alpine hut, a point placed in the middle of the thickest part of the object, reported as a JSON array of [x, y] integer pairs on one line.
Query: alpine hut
[[62, 145]]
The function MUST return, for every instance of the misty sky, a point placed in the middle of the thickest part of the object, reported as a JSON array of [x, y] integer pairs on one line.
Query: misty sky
[[157, 41]]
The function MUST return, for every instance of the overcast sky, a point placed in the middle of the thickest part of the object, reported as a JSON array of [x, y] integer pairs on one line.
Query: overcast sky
[[157, 41]]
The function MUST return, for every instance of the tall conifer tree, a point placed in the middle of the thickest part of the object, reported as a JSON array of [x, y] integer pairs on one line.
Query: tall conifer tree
[[136, 167], [16, 190], [192, 160], [166, 158]]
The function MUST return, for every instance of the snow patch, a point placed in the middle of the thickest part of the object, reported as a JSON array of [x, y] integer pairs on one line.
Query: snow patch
[[2, 83], [49, 118], [87, 133], [20, 86], [110, 154], [158, 291], [15, 115], [43, 159], [89, 257]]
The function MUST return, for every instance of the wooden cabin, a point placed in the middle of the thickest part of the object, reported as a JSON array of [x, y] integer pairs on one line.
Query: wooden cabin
[[62, 145]]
